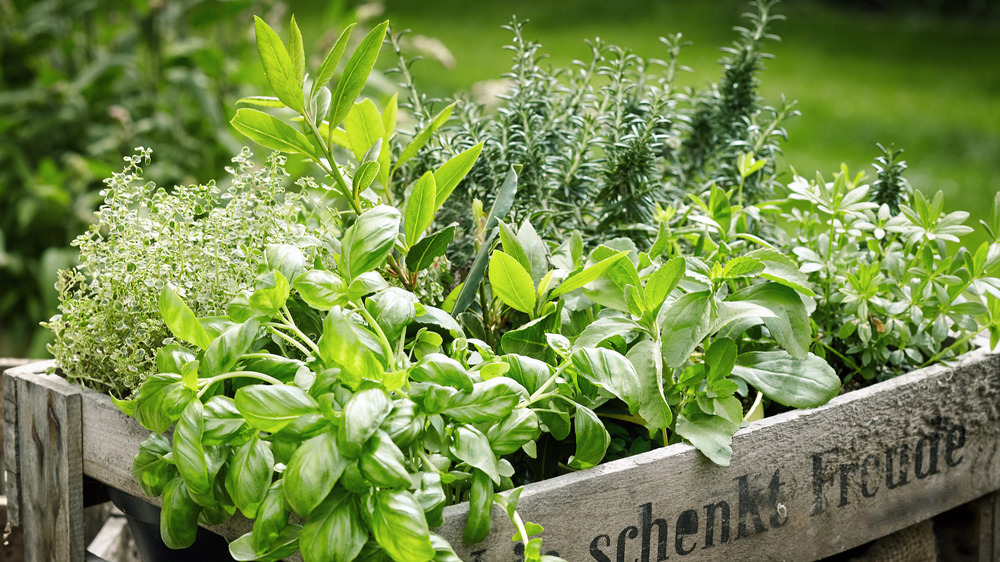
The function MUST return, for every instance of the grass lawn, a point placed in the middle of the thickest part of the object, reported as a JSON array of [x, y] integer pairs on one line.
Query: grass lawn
[[929, 86]]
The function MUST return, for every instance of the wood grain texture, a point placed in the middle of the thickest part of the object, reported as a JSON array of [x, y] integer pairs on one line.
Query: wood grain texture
[[12, 486], [988, 523], [802, 485], [50, 462]]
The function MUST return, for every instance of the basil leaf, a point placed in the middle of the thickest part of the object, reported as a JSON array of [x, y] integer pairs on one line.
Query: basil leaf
[[270, 294], [512, 432], [478, 522], [488, 401], [283, 546], [394, 309], [270, 408], [180, 320], [382, 463], [790, 323], [592, 439], [528, 372], [430, 495], [225, 351], [272, 518], [321, 289], [529, 339], [648, 363], [171, 358], [150, 469], [249, 475], [178, 515], [782, 269], [161, 400], [603, 329], [286, 258], [470, 446], [683, 326], [368, 241], [400, 527], [312, 473], [281, 368], [441, 369], [340, 346], [334, 532], [196, 465], [362, 415]]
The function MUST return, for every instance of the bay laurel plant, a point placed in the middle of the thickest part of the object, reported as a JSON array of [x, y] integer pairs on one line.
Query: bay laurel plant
[[341, 410]]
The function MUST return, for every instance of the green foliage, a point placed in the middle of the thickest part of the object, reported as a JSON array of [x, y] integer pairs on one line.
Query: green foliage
[[204, 240], [84, 83]]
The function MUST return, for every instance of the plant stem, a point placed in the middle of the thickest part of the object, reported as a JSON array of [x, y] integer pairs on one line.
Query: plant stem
[[286, 316], [951, 347], [305, 351], [207, 383], [384, 341]]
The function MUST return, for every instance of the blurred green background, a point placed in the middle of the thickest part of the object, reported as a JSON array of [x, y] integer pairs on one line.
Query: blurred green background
[[82, 82]]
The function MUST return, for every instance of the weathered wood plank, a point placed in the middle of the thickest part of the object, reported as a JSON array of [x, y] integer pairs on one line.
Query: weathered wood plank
[[988, 523], [50, 462], [10, 454], [802, 485]]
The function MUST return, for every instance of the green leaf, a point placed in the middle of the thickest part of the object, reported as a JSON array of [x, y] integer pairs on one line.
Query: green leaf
[[261, 101], [178, 515], [180, 320], [663, 281], [249, 476], [223, 423], [683, 326], [712, 435], [488, 401], [421, 139], [609, 289], [782, 269], [340, 346], [286, 258], [529, 339], [648, 364], [279, 68], [592, 439], [588, 275], [312, 473], [270, 294], [501, 206], [171, 358], [296, 52], [321, 289], [443, 370], [451, 172], [536, 250], [283, 546], [470, 446], [393, 309], [400, 527], [805, 383], [478, 522], [161, 400], [511, 283], [355, 76], [790, 323], [270, 408], [382, 463], [511, 433], [226, 350], [743, 266], [364, 177], [423, 253], [420, 209], [193, 462], [270, 132], [611, 371], [512, 246], [362, 415], [334, 532], [363, 126], [329, 66], [150, 469], [272, 518], [368, 241], [603, 329]]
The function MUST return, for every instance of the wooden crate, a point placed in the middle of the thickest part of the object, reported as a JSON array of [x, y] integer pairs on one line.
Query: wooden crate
[[802, 485]]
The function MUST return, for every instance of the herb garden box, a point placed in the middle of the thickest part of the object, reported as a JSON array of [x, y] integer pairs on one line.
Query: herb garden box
[[802, 485]]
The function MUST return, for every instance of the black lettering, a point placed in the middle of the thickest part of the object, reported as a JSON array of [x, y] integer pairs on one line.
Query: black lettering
[[479, 553], [932, 450], [710, 510], [904, 461], [820, 479], [629, 532], [687, 524], [865, 491], [748, 506], [845, 477], [647, 534], [954, 441], [595, 548], [780, 515]]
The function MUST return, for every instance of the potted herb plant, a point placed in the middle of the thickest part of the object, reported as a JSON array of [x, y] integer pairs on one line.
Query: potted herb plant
[[342, 407]]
